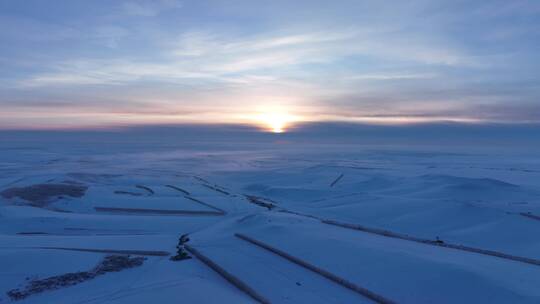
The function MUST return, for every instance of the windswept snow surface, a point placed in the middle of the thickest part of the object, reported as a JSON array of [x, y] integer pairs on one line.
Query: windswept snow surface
[[472, 197]]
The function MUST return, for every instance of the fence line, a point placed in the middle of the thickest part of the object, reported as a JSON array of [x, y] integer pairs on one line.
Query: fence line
[[156, 211], [117, 251], [438, 243], [530, 215]]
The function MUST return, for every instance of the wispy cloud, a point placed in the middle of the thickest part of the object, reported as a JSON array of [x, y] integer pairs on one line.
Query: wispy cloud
[[392, 76], [207, 56], [224, 55]]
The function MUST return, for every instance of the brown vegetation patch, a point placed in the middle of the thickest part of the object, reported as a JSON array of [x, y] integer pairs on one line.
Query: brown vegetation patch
[[111, 263], [41, 194]]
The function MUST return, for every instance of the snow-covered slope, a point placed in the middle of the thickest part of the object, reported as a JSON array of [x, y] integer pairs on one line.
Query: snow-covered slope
[[139, 200]]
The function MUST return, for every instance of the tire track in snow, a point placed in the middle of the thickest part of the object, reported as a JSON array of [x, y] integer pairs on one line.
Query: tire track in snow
[[330, 276], [228, 276]]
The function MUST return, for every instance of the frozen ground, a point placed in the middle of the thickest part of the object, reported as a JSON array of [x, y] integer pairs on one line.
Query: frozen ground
[[483, 198]]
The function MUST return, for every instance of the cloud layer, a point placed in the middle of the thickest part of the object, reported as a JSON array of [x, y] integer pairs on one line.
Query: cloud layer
[[106, 63]]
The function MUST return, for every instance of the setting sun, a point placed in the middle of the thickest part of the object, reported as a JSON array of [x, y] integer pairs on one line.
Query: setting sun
[[275, 122]]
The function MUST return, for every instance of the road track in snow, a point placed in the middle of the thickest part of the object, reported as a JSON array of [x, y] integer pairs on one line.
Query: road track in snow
[[269, 278]]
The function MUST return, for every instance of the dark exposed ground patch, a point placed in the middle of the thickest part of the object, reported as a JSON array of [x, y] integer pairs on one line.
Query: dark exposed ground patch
[[150, 191], [204, 204], [111, 263], [337, 180], [157, 211], [41, 194], [260, 201], [215, 188], [33, 233], [178, 189], [127, 193], [530, 215]]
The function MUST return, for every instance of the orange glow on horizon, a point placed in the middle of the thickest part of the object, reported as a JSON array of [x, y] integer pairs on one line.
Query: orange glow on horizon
[[268, 118], [275, 122]]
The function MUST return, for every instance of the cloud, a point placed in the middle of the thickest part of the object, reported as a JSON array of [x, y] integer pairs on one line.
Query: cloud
[[218, 58], [225, 55], [198, 57], [318, 46], [110, 35], [357, 60], [111, 72], [392, 76]]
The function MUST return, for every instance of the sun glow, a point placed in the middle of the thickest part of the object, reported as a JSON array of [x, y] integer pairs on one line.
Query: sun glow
[[275, 122]]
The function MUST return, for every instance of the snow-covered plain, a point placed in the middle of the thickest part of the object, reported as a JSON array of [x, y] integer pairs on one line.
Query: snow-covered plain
[[479, 197]]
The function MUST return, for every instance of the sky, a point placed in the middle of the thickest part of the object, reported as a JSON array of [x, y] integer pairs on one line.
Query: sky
[[102, 63]]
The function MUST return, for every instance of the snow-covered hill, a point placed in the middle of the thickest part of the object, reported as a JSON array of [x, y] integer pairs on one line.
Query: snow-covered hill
[[434, 226]]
